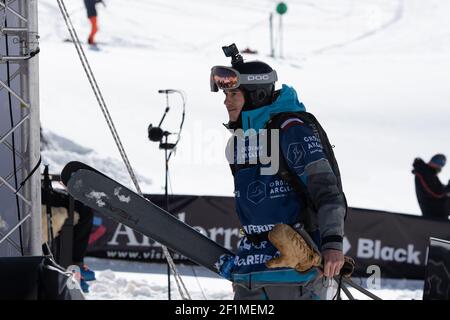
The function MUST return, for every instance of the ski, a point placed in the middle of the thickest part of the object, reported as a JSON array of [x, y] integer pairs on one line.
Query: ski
[[94, 47], [116, 201]]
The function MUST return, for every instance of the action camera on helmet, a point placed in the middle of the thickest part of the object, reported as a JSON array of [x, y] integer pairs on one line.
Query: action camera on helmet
[[233, 52]]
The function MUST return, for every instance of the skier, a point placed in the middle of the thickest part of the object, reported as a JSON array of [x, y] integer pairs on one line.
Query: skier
[[92, 16], [270, 257], [432, 195]]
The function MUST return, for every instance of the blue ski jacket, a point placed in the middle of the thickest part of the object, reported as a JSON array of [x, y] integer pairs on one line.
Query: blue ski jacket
[[263, 200]]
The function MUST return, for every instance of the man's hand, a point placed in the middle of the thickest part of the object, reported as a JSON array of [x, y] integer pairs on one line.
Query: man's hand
[[333, 260]]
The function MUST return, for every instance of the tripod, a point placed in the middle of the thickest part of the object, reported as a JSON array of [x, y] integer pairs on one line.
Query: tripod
[[166, 147], [158, 135]]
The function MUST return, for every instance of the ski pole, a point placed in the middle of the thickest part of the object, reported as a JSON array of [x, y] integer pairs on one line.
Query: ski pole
[[360, 289]]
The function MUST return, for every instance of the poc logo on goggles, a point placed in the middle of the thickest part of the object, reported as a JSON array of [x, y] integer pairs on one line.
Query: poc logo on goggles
[[257, 77]]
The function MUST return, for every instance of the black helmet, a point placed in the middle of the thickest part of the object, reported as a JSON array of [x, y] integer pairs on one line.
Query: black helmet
[[256, 95], [255, 78]]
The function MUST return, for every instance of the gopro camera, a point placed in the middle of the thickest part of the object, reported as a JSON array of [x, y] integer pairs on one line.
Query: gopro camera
[[233, 52]]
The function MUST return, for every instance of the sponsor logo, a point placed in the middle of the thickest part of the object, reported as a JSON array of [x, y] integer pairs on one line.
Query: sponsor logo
[[313, 143], [373, 249], [252, 259], [252, 228], [246, 244], [250, 153], [257, 77], [346, 246], [295, 154], [279, 188], [124, 236], [256, 192], [99, 230]]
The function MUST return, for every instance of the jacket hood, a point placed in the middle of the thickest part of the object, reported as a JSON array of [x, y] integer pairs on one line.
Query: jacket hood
[[287, 101]]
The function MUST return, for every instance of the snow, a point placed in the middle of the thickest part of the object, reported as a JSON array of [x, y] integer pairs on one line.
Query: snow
[[125, 280], [374, 72]]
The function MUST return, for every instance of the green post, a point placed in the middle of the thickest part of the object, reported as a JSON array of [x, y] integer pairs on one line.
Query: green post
[[281, 10]]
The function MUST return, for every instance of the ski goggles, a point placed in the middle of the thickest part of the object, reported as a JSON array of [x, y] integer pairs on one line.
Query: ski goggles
[[226, 78]]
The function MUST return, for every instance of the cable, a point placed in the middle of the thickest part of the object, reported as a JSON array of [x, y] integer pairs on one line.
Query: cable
[[183, 97], [171, 192], [195, 274], [198, 282], [76, 41]]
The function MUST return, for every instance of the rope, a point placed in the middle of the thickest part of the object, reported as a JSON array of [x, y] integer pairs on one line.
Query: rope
[[171, 191], [198, 282], [29, 175], [183, 115], [101, 102]]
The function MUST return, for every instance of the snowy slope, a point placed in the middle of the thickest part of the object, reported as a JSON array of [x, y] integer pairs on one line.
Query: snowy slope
[[375, 72]]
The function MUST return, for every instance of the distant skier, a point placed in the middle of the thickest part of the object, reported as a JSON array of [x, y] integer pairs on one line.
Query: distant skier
[[278, 226], [92, 16], [432, 195]]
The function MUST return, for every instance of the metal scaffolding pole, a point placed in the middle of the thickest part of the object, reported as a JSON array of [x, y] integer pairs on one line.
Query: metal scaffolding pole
[[33, 189], [20, 187]]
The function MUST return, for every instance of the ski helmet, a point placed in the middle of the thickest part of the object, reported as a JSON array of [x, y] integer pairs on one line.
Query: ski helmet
[[255, 78], [258, 94]]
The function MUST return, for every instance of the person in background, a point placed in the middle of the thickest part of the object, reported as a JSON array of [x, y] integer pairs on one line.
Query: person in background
[[92, 16], [432, 195]]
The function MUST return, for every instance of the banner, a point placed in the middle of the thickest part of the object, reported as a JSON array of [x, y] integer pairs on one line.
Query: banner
[[212, 216], [395, 244]]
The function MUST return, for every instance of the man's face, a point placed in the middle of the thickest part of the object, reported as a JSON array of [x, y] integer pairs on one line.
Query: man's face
[[234, 102]]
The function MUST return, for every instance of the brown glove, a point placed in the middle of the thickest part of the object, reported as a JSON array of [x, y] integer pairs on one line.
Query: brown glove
[[296, 249], [348, 267]]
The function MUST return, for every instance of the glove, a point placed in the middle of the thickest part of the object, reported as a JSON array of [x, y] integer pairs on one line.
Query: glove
[[348, 267], [297, 250], [225, 266]]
